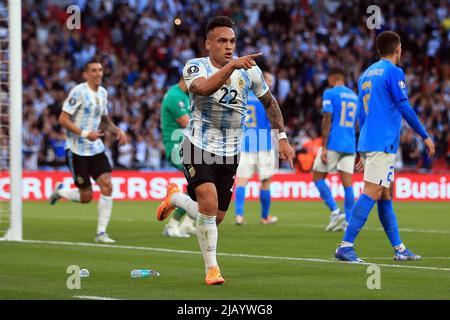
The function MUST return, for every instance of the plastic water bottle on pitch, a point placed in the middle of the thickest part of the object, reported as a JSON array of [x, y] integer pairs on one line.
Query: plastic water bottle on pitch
[[84, 273], [144, 273]]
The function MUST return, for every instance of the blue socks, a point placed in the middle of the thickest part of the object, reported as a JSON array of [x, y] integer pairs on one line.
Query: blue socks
[[358, 218], [264, 196], [389, 221], [239, 200], [349, 201], [326, 195]]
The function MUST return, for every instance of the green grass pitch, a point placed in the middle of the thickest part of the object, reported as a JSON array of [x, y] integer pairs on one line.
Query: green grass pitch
[[293, 259]]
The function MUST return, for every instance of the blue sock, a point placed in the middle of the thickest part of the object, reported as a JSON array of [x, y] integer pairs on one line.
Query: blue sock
[[389, 221], [239, 201], [349, 201], [264, 196], [326, 195], [358, 218]]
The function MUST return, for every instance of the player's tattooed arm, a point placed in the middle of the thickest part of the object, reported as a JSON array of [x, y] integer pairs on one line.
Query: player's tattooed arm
[[273, 111], [326, 126], [108, 125]]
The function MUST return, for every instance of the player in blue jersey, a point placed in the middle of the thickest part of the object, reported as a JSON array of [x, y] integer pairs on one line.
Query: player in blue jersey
[[256, 155], [340, 105], [384, 97]]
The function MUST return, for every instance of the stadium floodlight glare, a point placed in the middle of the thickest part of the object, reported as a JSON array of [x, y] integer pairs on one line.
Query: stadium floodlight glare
[[11, 128]]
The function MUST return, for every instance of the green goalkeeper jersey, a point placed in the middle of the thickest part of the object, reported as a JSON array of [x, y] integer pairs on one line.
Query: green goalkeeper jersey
[[175, 104]]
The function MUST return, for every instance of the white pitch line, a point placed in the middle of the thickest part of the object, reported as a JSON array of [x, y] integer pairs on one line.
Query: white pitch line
[[240, 255], [84, 218], [318, 226], [94, 298]]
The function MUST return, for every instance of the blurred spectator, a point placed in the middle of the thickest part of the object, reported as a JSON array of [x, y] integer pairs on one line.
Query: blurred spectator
[[410, 150], [125, 155], [143, 52], [32, 141]]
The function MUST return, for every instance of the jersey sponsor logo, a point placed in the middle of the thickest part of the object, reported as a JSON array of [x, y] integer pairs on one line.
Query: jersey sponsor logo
[[193, 69]]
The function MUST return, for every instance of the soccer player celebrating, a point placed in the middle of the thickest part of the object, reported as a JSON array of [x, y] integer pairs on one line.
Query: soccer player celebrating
[[384, 97], [256, 155], [175, 117], [83, 114], [338, 149], [218, 85]]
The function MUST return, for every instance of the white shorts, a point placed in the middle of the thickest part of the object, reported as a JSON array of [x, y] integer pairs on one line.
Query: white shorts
[[337, 161], [262, 162], [379, 167]]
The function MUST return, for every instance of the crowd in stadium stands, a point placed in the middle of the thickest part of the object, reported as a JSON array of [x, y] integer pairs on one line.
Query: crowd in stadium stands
[[143, 53]]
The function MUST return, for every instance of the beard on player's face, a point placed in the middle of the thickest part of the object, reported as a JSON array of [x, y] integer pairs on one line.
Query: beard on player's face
[[218, 55]]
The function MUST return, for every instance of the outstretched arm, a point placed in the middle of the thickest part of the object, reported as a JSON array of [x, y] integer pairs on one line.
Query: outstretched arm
[[207, 86], [276, 120]]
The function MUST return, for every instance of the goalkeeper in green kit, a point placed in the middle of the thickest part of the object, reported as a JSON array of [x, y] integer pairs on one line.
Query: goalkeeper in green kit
[[175, 117]]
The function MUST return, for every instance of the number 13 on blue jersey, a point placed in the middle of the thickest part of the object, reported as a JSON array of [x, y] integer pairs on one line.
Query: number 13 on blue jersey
[[348, 113]]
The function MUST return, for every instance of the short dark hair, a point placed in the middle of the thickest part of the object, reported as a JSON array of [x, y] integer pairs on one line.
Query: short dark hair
[[220, 21], [336, 71], [86, 66], [387, 42]]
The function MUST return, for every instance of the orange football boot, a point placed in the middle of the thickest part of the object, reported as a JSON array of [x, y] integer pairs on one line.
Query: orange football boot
[[213, 276], [165, 208]]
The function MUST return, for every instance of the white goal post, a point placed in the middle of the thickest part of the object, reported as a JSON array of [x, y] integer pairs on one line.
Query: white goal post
[[11, 61]]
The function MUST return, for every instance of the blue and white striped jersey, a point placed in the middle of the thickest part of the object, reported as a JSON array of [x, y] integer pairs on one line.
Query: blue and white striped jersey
[[217, 120], [86, 108]]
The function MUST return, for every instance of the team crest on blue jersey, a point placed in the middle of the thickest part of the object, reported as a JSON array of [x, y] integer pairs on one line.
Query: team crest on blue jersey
[[402, 84]]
